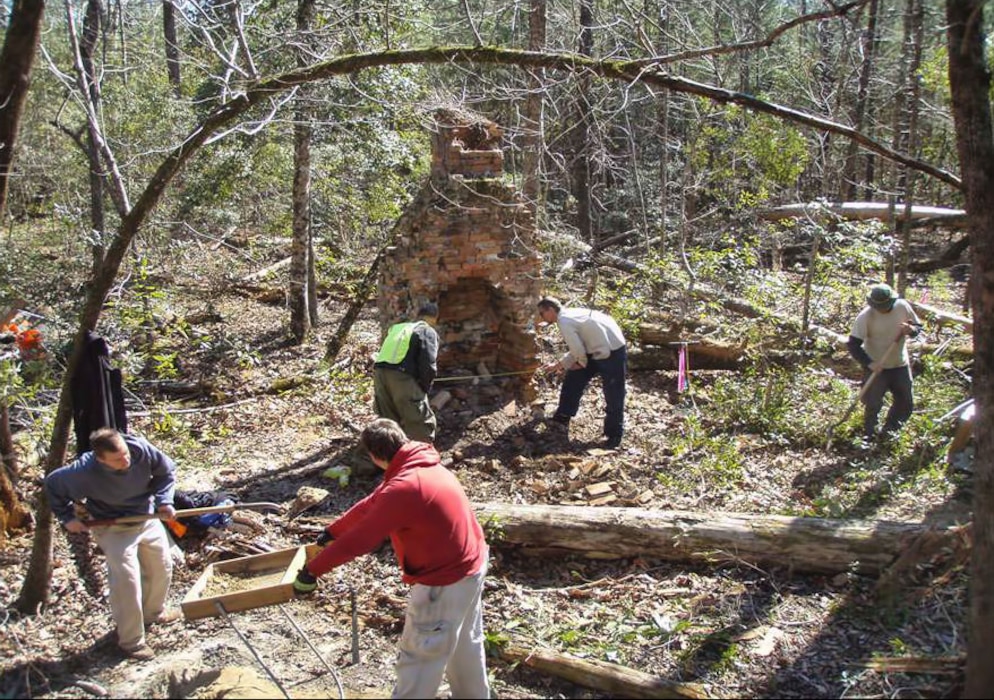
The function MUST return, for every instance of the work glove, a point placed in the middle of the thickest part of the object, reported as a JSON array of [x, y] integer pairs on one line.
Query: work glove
[[324, 538], [305, 582]]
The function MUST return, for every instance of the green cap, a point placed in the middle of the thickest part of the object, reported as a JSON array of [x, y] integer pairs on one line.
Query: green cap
[[881, 297]]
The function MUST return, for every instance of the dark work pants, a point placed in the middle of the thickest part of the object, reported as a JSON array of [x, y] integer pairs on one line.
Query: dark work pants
[[612, 370], [898, 382]]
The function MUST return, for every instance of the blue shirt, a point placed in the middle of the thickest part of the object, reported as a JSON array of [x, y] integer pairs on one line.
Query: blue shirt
[[149, 481]]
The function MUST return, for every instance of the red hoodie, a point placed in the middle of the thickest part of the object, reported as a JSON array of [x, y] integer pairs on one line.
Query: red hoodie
[[424, 511]]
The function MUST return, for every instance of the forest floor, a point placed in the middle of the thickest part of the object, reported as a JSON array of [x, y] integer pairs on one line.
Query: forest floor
[[735, 629]]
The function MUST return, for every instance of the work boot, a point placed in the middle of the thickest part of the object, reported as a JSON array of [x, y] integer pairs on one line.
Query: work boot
[[142, 653], [557, 426], [166, 617]]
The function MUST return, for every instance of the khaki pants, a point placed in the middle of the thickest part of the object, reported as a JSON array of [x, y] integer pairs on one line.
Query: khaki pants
[[443, 634], [396, 395], [139, 570]]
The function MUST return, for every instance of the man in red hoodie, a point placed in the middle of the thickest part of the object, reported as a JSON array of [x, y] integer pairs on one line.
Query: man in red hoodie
[[441, 550]]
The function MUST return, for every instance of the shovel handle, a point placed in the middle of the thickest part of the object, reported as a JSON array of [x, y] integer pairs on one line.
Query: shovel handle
[[880, 367], [186, 513]]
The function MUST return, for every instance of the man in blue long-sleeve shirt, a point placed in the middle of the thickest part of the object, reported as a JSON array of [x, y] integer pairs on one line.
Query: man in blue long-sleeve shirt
[[123, 475]]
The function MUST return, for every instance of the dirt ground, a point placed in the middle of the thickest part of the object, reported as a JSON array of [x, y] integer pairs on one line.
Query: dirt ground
[[734, 629]]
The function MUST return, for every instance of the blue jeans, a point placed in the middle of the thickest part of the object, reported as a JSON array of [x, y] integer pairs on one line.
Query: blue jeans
[[612, 370]]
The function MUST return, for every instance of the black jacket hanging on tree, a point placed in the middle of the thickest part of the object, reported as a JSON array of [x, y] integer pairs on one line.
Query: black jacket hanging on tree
[[97, 396]]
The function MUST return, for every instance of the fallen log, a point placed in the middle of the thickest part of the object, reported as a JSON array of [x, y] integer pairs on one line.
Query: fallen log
[[810, 545], [862, 211], [707, 354], [942, 318], [614, 679], [702, 357], [265, 272]]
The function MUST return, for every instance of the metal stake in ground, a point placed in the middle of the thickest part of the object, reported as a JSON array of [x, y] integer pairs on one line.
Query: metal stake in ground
[[224, 613], [355, 628], [338, 681]]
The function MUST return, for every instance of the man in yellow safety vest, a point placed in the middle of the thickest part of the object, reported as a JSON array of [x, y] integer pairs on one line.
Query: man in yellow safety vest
[[405, 368]]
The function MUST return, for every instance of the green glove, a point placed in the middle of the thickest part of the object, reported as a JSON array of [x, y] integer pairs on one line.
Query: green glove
[[305, 582]]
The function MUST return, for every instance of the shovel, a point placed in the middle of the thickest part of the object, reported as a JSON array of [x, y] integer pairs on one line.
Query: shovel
[[863, 390], [188, 513]]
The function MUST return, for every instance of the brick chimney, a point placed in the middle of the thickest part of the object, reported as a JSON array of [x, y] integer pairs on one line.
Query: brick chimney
[[467, 242]]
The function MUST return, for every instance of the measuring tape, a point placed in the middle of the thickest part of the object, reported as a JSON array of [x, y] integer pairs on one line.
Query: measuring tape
[[485, 376]]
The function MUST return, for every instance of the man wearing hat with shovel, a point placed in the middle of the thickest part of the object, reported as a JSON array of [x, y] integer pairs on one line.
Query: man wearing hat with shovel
[[877, 342]]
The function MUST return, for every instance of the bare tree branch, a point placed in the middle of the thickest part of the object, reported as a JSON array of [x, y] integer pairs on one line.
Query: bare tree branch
[[756, 44], [118, 193]]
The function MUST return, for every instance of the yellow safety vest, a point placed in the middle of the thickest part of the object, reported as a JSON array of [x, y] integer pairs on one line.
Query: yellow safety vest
[[397, 343]]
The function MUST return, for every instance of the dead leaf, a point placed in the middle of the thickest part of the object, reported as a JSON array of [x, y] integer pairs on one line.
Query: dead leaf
[[599, 489]]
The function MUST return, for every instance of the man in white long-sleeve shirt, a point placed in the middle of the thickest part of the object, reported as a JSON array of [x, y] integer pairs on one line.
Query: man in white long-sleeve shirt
[[596, 346]]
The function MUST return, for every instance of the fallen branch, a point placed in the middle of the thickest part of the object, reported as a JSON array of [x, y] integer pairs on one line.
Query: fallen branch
[[940, 665], [614, 679], [265, 272], [942, 318]]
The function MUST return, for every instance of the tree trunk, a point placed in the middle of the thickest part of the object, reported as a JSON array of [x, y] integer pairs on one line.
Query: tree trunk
[[91, 32], [909, 136], [13, 514], [532, 122], [16, 60], [8, 457], [581, 131], [614, 680], [811, 545], [862, 105], [355, 308], [300, 249], [172, 47], [663, 130], [970, 83]]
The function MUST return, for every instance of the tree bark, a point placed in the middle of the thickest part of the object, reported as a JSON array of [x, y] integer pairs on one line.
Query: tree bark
[[809, 545], [16, 59], [970, 84]]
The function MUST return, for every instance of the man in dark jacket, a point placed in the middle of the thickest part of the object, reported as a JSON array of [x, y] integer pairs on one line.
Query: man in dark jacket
[[440, 547], [403, 373], [123, 475]]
